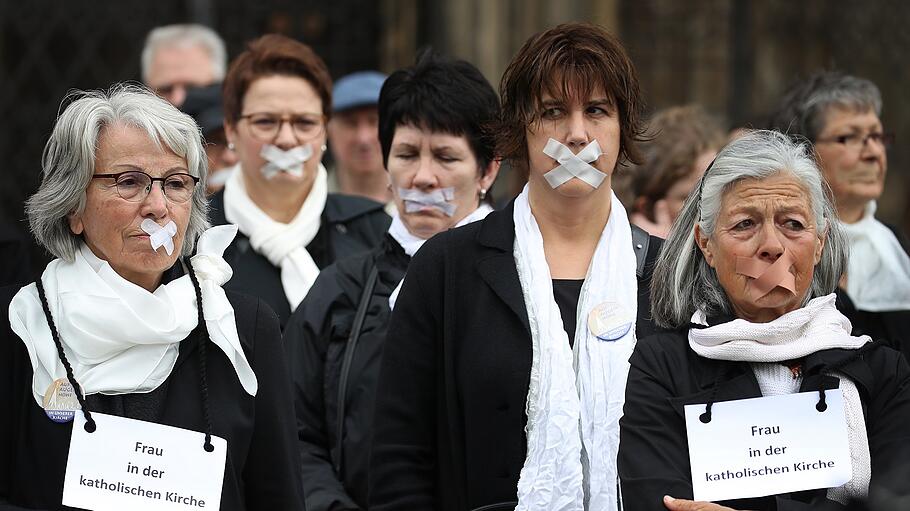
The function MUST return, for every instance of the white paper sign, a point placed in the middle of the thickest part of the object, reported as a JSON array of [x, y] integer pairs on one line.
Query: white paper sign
[[768, 445], [137, 465]]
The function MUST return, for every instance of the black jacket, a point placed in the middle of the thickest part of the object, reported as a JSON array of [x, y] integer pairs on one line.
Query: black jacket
[[350, 225], [315, 339], [261, 470], [450, 408], [666, 375], [889, 327]]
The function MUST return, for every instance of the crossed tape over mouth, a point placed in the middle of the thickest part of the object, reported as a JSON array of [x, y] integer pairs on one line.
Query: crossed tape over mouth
[[279, 160], [415, 200], [768, 275], [160, 236], [573, 165]]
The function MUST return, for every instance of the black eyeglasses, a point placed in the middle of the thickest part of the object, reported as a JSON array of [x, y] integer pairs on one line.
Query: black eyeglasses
[[135, 186], [856, 141]]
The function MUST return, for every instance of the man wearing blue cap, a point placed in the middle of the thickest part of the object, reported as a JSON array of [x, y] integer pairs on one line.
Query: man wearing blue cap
[[354, 136]]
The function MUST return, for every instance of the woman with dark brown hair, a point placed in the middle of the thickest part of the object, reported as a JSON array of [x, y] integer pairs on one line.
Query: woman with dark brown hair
[[277, 100], [504, 367]]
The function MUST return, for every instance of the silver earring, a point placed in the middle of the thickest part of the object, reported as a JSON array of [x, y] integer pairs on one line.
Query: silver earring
[[323, 147], [483, 193], [231, 146]]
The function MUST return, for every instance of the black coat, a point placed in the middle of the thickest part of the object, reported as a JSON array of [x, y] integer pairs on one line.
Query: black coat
[[450, 409], [315, 339], [261, 471], [350, 225], [889, 327], [666, 375], [15, 264]]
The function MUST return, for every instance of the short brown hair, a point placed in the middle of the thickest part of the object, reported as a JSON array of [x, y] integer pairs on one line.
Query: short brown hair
[[677, 136], [569, 61], [270, 55]]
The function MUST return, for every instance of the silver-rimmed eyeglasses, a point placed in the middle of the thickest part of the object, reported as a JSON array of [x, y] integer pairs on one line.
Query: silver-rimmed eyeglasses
[[135, 185]]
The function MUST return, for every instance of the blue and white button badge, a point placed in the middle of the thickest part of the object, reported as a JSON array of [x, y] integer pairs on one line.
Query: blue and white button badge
[[60, 402], [610, 321]]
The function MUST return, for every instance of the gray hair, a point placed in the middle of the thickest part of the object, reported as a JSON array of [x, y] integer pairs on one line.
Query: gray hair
[[68, 161], [803, 108], [183, 36], [683, 282]]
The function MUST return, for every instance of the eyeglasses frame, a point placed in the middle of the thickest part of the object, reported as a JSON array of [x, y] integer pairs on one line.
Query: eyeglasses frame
[[117, 175]]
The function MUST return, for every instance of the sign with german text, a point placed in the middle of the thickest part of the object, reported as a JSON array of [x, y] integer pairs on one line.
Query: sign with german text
[[137, 465], [768, 445]]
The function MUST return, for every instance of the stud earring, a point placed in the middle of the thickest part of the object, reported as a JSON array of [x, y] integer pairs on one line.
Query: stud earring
[[231, 146], [323, 147]]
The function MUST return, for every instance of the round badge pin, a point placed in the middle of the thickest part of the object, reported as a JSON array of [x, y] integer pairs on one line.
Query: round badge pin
[[610, 321], [60, 402]]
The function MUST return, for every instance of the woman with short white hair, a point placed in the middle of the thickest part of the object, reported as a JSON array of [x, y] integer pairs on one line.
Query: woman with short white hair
[[130, 330], [745, 282]]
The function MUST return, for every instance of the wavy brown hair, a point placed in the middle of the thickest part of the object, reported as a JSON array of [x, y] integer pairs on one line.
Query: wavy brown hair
[[569, 62]]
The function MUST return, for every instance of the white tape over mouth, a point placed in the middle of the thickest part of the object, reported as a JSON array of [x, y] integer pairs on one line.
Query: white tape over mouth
[[160, 236], [573, 165], [415, 200], [279, 160]]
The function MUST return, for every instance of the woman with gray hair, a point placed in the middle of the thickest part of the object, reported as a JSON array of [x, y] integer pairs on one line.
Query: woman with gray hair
[[124, 356], [839, 114], [745, 284]]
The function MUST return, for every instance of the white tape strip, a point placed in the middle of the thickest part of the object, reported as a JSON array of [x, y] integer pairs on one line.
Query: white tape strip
[[160, 236], [415, 200], [290, 161], [573, 165]]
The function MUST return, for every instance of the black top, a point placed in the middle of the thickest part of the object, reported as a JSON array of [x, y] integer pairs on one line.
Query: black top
[[666, 375], [315, 340], [449, 431], [350, 225], [566, 293], [262, 470]]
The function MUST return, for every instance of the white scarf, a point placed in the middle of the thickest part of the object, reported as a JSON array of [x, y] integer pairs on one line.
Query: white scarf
[[576, 395], [817, 326], [878, 271], [120, 338], [283, 244], [411, 244]]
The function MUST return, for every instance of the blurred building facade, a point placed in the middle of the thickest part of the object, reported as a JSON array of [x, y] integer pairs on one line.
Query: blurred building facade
[[735, 57]]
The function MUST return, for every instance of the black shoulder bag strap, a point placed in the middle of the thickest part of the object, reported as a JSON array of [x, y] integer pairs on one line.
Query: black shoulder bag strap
[[349, 350], [640, 241]]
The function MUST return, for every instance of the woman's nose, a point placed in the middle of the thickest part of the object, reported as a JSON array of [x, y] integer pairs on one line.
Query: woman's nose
[[425, 177], [286, 138], [772, 246], [576, 131], [155, 203]]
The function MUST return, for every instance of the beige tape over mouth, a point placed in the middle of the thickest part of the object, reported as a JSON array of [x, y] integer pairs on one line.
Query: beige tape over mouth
[[768, 275]]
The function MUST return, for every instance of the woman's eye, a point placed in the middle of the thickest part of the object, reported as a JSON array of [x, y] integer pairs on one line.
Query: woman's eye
[[597, 111], [794, 225], [551, 113], [406, 156], [446, 158], [744, 224], [265, 123]]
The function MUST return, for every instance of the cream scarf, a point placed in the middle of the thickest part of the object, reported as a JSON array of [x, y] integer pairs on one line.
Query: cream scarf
[[878, 272], [576, 395], [411, 244], [283, 244], [120, 338], [817, 326]]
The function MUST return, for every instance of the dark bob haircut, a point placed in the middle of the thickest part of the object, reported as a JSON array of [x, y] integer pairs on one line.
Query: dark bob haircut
[[443, 95], [272, 55], [569, 62]]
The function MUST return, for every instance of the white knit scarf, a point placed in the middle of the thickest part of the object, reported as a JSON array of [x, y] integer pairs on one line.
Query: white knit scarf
[[283, 244], [411, 244], [817, 326], [120, 338], [576, 395], [878, 272]]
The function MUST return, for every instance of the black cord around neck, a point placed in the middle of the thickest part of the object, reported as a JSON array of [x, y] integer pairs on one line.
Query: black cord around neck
[[203, 366]]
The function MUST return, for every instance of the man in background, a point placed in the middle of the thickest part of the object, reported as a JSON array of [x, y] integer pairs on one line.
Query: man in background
[[178, 57], [353, 134]]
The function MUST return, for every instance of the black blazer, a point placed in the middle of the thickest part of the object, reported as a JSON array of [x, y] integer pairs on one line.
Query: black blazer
[[450, 410], [261, 471], [350, 225], [666, 375]]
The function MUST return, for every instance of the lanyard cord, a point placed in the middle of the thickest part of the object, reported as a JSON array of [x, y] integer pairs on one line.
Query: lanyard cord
[[90, 425], [89, 421]]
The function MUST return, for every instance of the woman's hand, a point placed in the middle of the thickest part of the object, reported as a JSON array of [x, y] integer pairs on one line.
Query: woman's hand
[[692, 505]]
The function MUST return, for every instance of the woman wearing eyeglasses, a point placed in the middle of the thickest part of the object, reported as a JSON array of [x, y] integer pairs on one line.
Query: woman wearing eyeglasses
[[129, 333], [839, 114], [277, 100]]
